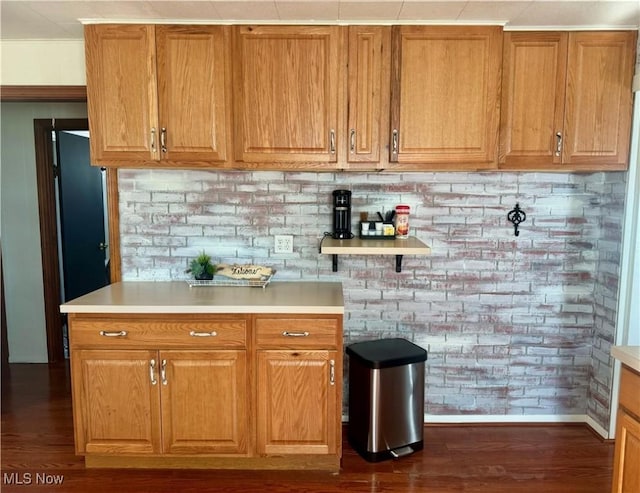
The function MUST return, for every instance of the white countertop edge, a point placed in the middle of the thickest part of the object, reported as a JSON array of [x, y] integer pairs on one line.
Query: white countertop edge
[[182, 309], [627, 355]]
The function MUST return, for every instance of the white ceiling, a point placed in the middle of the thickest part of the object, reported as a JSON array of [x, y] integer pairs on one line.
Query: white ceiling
[[53, 19]]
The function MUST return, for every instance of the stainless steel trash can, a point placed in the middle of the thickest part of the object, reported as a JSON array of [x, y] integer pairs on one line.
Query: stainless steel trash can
[[386, 398]]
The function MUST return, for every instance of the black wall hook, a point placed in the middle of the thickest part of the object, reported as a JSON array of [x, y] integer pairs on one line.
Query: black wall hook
[[516, 216]]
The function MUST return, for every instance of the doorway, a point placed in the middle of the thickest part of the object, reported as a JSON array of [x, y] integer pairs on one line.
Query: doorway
[[71, 203]]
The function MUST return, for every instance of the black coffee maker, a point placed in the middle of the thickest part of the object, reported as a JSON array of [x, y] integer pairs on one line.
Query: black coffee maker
[[342, 214]]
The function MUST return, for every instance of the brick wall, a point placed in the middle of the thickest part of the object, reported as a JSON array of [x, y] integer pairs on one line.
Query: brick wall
[[514, 325]]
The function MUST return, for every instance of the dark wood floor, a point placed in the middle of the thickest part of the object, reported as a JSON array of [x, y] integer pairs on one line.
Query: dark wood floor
[[37, 438]]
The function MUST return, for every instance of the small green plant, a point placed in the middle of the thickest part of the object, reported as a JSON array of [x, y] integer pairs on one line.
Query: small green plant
[[202, 268]]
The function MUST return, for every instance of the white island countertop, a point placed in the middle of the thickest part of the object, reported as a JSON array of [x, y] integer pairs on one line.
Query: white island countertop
[[628, 355], [179, 297]]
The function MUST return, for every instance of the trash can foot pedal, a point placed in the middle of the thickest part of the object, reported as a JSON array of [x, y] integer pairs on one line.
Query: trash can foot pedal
[[401, 452]]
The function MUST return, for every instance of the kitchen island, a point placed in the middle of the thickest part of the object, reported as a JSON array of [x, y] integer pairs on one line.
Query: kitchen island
[[168, 375]]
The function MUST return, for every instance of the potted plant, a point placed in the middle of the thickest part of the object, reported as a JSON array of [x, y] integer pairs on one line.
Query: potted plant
[[202, 268]]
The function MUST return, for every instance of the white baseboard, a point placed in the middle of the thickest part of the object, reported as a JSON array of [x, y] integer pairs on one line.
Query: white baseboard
[[509, 419]]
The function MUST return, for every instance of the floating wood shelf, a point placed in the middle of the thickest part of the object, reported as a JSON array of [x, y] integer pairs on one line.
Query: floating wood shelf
[[357, 246]]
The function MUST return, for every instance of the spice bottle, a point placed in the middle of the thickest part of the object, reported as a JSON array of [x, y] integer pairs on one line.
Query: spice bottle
[[402, 221]]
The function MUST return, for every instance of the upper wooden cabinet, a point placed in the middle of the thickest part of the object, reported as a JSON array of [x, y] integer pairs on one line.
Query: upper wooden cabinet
[[158, 93], [121, 93], [289, 94], [194, 98], [566, 100], [368, 95], [445, 97]]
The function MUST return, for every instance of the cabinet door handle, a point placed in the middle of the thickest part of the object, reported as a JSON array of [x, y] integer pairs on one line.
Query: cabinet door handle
[[332, 141], [152, 372], [332, 372], [352, 140], [163, 372], [163, 139], [193, 333], [558, 144], [295, 334], [113, 333], [394, 142], [153, 139]]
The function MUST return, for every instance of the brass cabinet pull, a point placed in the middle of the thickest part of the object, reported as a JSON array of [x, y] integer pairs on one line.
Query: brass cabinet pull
[[332, 372], [394, 141], [352, 140], [152, 372], [193, 333], [163, 372], [153, 139], [295, 334], [558, 144], [107, 333], [332, 141], [163, 139]]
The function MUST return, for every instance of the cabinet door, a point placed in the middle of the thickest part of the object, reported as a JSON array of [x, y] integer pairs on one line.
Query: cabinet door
[[597, 121], [116, 402], [445, 101], [626, 472], [193, 80], [204, 402], [296, 403], [533, 94], [121, 93], [369, 72], [288, 93]]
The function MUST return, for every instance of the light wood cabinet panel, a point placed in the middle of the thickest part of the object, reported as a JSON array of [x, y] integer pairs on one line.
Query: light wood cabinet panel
[[193, 79], [133, 332], [368, 94], [599, 99], [204, 402], [567, 100], [626, 463], [296, 333], [533, 95], [626, 466], [296, 402], [121, 92], [116, 404], [158, 95], [445, 101], [288, 94]]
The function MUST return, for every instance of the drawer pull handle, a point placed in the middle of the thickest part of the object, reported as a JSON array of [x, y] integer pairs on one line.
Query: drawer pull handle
[[193, 333], [295, 334], [120, 333], [152, 372]]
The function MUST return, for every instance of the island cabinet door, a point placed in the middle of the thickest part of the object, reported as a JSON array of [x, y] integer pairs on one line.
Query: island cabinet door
[[116, 402], [626, 473], [204, 402], [297, 402]]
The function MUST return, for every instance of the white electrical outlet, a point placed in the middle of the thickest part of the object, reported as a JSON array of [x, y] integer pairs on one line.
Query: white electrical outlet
[[283, 244]]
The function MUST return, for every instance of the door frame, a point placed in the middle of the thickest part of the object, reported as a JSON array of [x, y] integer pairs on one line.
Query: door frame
[[43, 129]]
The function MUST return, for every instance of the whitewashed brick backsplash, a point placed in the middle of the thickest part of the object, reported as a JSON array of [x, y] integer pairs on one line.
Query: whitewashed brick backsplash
[[514, 325]]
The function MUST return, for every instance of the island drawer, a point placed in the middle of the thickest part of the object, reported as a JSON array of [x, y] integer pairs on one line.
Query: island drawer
[[293, 332], [158, 333]]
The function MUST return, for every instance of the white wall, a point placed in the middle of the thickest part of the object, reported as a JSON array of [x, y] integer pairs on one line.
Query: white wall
[[54, 62]]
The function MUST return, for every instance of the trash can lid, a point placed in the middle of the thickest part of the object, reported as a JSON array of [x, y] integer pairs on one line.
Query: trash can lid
[[385, 353]]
